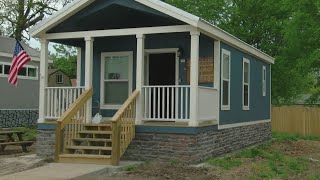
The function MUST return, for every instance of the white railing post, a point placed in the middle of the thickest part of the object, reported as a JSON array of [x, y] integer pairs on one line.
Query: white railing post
[[88, 74], [43, 79], [194, 74], [140, 77], [59, 99]]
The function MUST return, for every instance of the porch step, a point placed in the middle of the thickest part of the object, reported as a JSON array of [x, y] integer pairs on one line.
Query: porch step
[[93, 139], [89, 148], [85, 159], [95, 132], [97, 125]]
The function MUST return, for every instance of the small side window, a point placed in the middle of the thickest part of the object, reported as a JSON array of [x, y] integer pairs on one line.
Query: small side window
[[225, 79], [32, 72], [264, 81], [246, 84], [1, 69], [59, 79], [6, 69]]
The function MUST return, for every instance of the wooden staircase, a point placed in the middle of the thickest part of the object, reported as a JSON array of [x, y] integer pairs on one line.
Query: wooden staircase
[[80, 142], [92, 145]]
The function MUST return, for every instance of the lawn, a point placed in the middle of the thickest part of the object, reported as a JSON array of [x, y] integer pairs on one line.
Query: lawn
[[287, 156]]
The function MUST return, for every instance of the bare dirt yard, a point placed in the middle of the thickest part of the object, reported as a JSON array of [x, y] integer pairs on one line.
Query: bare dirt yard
[[286, 157], [13, 159]]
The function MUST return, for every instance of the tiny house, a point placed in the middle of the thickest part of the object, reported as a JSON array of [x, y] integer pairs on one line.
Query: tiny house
[[168, 84]]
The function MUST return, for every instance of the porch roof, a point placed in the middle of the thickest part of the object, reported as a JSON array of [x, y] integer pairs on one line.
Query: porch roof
[[163, 8]]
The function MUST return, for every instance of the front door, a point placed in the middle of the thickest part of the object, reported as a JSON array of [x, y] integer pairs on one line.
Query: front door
[[162, 69], [162, 73]]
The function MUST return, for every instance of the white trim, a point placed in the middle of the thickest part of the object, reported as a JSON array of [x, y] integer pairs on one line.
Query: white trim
[[55, 19], [165, 8], [36, 109], [225, 107], [171, 11], [264, 81], [119, 32], [102, 80], [219, 34], [20, 76], [33, 58], [209, 88], [243, 124], [162, 51], [244, 107]]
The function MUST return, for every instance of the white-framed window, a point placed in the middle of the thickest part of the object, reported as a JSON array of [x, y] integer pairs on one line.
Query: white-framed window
[[225, 80], [246, 84], [116, 79], [26, 72], [264, 81], [59, 79]]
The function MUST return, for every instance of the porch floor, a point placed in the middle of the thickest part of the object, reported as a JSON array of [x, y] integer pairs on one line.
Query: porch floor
[[178, 124]]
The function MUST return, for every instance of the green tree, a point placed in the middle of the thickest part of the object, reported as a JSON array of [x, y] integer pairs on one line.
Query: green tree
[[20, 15], [287, 30], [65, 59]]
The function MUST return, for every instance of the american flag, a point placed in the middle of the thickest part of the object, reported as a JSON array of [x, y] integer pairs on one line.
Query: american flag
[[20, 58]]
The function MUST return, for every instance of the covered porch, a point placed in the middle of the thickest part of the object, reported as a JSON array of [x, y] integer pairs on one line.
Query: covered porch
[[168, 91]]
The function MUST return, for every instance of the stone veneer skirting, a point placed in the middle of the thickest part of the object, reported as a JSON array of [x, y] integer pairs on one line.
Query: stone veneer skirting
[[184, 144], [18, 118], [45, 145], [196, 146]]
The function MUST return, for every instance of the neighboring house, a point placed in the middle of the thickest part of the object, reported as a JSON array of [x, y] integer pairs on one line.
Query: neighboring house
[[176, 86], [18, 105], [57, 78]]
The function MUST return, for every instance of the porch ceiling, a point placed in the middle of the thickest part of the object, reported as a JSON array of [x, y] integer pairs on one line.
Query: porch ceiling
[[101, 15]]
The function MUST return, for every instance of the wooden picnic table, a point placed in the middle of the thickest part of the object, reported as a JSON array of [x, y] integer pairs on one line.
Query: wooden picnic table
[[9, 140]]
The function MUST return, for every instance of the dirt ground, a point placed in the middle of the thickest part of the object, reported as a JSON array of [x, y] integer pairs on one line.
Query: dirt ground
[[160, 171], [13, 160], [16, 150]]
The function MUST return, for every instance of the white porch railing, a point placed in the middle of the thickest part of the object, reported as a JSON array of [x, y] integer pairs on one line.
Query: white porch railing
[[59, 99], [166, 103]]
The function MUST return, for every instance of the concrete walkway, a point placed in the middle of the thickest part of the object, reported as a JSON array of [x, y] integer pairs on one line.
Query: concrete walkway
[[61, 171]]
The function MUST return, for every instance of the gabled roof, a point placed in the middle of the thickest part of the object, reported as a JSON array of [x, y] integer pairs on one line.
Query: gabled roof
[[203, 25], [7, 46], [52, 71]]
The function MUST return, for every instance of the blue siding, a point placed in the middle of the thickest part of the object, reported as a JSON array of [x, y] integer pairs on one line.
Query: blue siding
[[259, 105], [128, 43]]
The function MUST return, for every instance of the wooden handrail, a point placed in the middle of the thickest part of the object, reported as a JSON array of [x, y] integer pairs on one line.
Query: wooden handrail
[[75, 107], [68, 117], [125, 105], [123, 128]]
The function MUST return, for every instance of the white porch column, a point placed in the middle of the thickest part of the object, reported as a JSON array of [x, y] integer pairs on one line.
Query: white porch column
[[216, 60], [140, 77], [194, 74], [88, 74], [78, 66], [43, 79]]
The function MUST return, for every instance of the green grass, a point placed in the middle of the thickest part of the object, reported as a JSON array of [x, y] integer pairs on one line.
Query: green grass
[[131, 168], [281, 137], [30, 134], [226, 162], [272, 163]]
